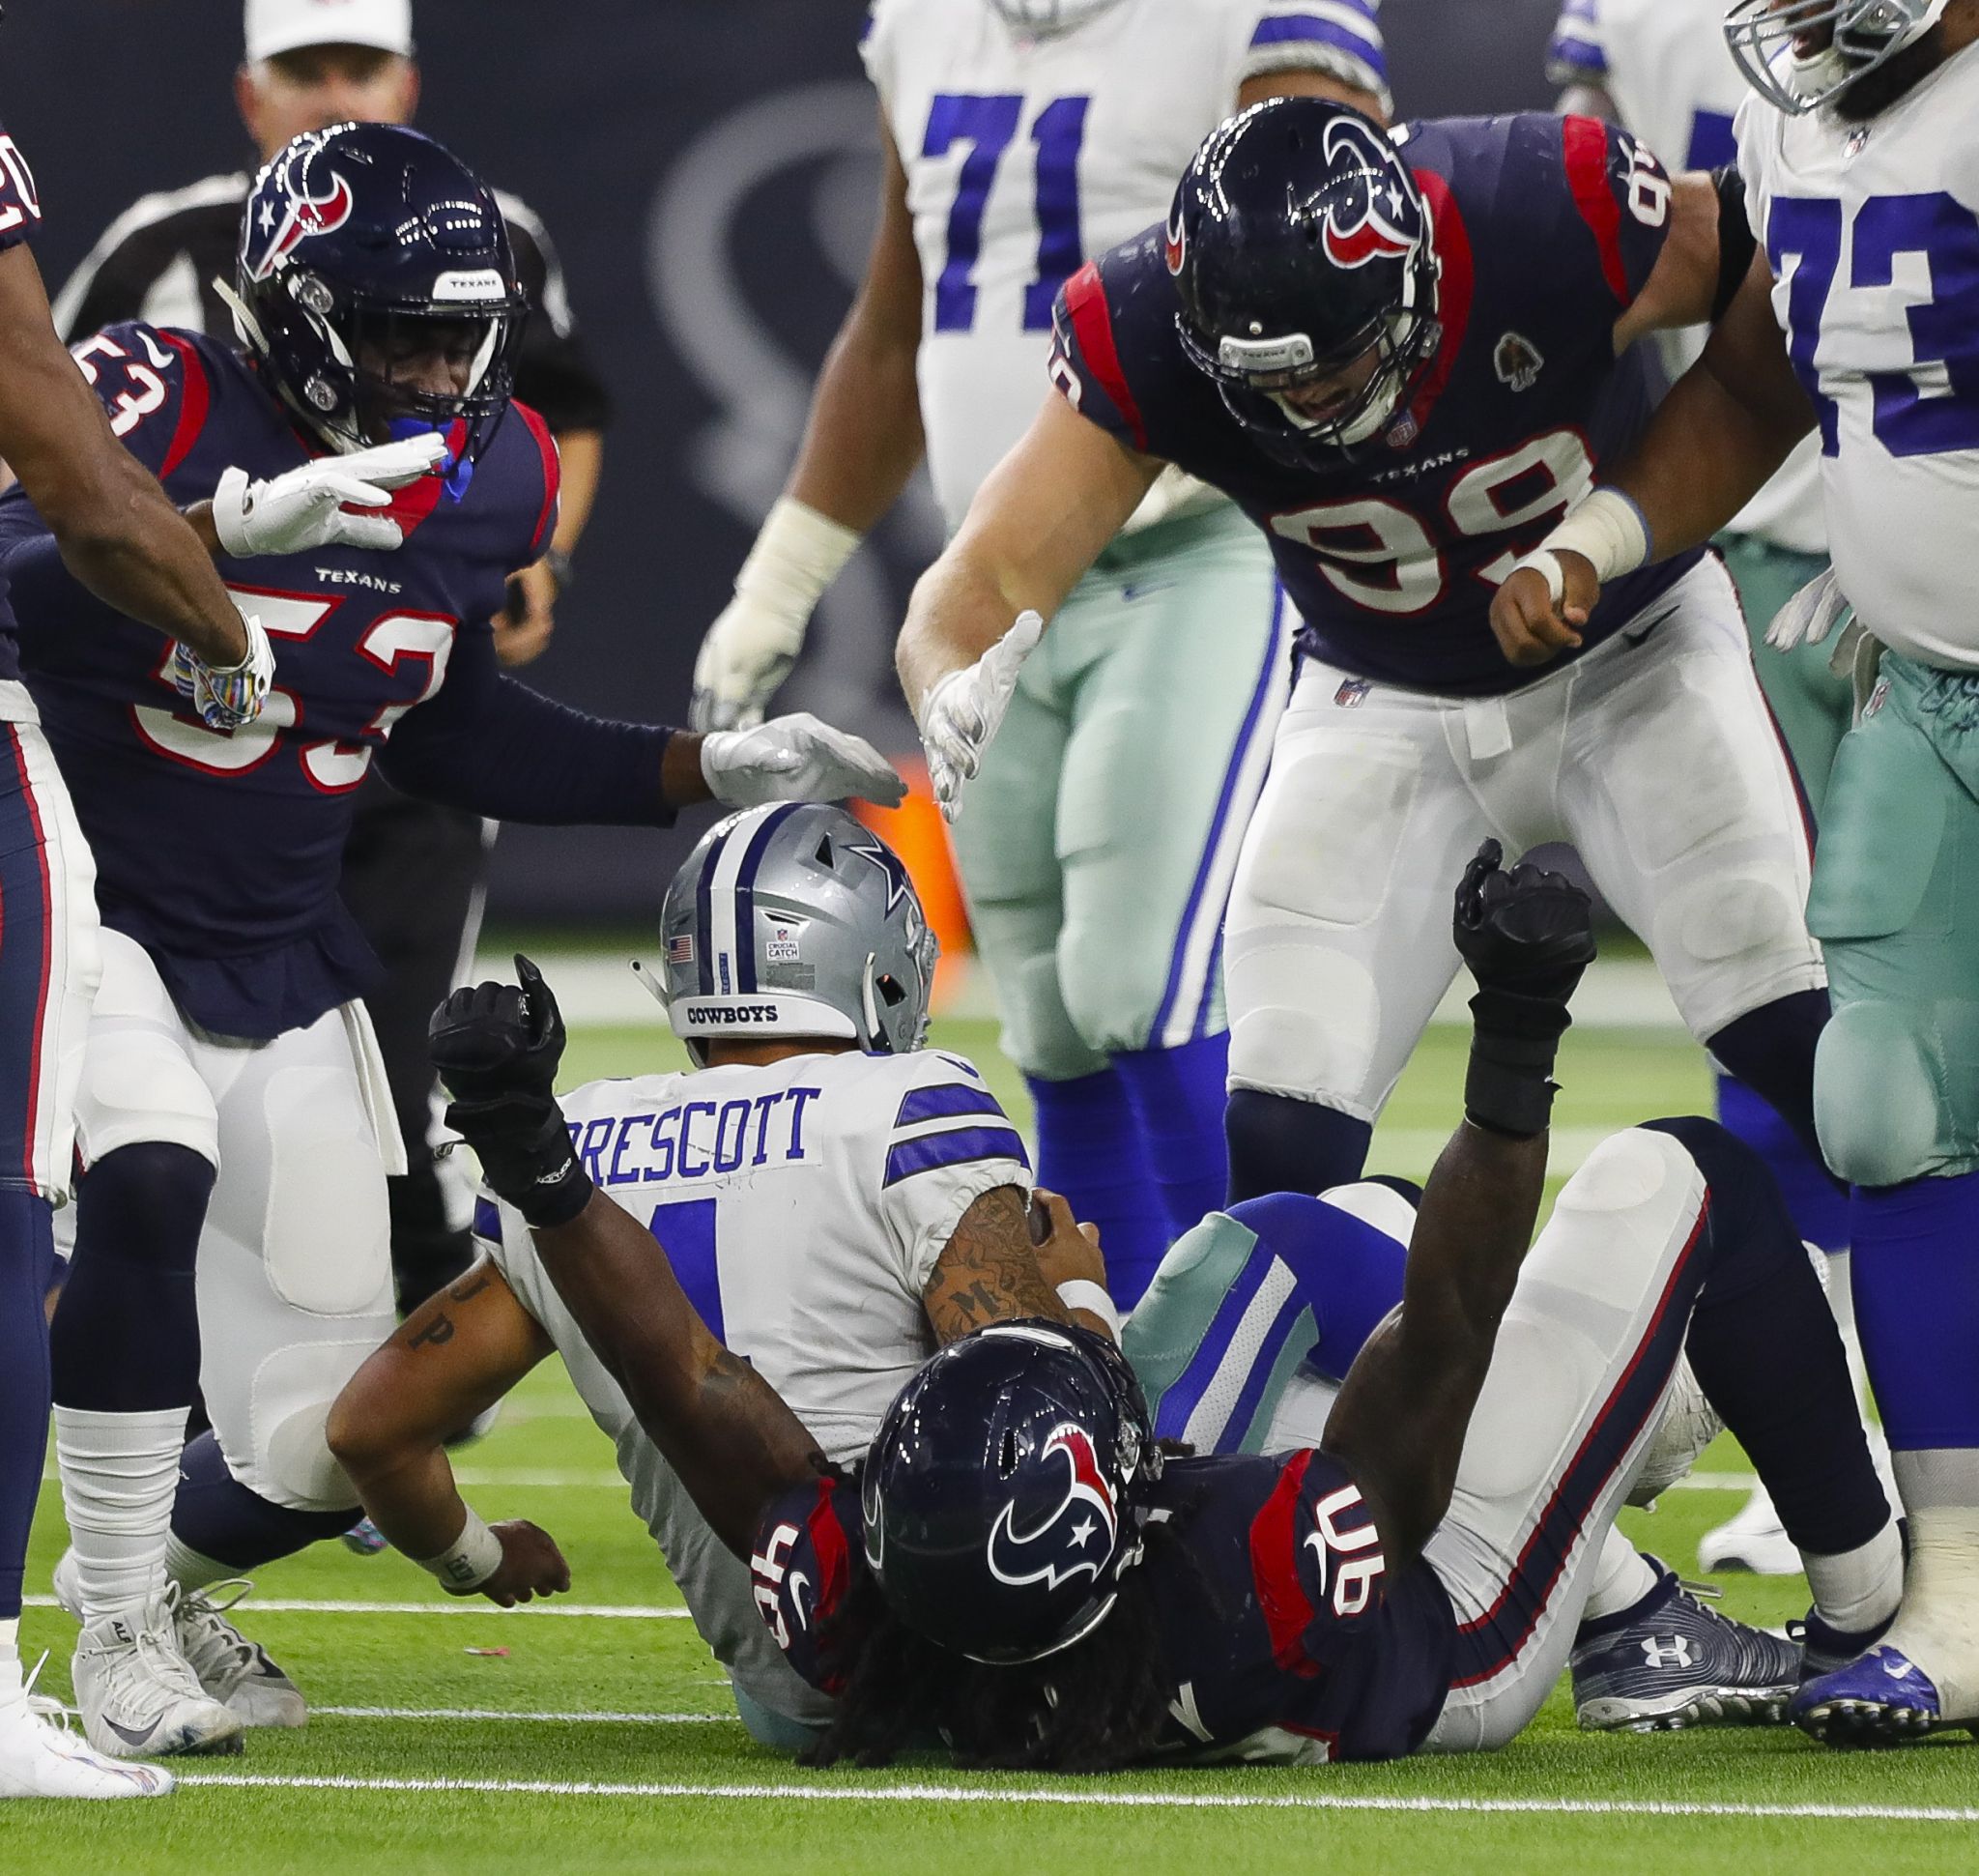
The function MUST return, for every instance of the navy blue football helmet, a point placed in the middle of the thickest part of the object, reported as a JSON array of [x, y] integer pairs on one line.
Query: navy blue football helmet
[[1004, 1493], [1300, 242], [357, 243]]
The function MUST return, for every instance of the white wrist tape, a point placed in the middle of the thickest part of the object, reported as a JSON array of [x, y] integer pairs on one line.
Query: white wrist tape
[[1083, 1293], [475, 1557], [797, 554], [1607, 530]]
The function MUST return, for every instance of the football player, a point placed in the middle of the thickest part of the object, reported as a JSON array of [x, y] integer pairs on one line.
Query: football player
[[1401, 358], [838, 1200], [1019, 137], [232, 1116], [1020, 1569], [1662, 68], [1860, 320], [116, 534]]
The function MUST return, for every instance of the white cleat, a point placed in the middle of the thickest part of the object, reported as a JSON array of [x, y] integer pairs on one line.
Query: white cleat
[[40, 1757], [1754, 1539], [233, 1671], [138, 1697]]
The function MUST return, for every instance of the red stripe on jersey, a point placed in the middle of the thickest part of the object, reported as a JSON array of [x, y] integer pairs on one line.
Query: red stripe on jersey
[[1281, 1597], [1587, 174], [1456, 288], [1092, 322], [553, 476], [195, 398], [33, 1094], [828, 1544]]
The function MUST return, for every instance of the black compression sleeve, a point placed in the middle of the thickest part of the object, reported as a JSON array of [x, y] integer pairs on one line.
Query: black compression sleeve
[[1737, 243]]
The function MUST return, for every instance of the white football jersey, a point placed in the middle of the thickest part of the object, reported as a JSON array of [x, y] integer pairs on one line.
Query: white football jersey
[[803, 1207], [1027, 157], [1873, 234], [1677, 86]]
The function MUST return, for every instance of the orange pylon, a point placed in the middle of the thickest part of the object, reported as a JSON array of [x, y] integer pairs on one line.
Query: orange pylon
[[916, 831]]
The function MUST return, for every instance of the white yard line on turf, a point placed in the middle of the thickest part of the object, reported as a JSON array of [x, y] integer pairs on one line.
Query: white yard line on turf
[[286, 1605], [1082, 1795], [498, 1713]]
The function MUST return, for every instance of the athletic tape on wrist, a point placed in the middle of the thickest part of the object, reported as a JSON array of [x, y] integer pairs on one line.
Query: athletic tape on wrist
[[475, 1557], [1608, 531], [797, 554], [1083, 1293]]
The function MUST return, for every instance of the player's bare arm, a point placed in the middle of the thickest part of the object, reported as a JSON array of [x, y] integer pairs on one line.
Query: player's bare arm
[[992, 1271], [461, 1351], [1588, 101], [1406, 1404], [117, 530], [1683, 286]]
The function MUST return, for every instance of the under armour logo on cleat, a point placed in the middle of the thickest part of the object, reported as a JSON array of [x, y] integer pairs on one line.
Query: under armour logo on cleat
[[1673, 1653]]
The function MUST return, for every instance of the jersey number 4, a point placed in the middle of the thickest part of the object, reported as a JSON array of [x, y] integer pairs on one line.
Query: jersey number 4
[[989, 126]]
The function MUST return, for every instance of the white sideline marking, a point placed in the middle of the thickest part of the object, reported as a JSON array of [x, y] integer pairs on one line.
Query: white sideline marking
[[501, 1713], [551, 1479], [286, 1605], [1081, 1793]]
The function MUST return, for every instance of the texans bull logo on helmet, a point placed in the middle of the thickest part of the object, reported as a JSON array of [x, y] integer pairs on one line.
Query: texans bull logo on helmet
[[1373, 219], [306, 214], [1062, 1546]]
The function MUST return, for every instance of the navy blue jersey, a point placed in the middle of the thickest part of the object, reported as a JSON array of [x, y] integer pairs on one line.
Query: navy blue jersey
[[21, 216], [220, 852], [1546, 229], [1282, 1635]]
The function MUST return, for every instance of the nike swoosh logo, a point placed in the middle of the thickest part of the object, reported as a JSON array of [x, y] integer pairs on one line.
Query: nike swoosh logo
[[139, 1737], [1133, 593]]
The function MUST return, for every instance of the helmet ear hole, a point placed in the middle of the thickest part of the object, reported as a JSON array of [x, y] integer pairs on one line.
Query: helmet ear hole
[[890, 993], [1006, 1455], [825, 856]]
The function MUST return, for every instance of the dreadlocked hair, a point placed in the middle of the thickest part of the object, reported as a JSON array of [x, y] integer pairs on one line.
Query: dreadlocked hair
[[1099, 1706]]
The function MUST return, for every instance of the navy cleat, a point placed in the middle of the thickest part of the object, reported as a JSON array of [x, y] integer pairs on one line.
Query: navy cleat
[[1879, 1698], [1671, 1662], [1825, 1649]]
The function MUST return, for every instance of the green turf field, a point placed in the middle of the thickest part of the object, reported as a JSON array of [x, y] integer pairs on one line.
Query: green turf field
[[596, 1736]]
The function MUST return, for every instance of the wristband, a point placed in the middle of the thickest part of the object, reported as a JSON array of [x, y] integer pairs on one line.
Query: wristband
[[1607, 530], [797, 554], [1509, 1085], [1083, 1293], [475, 1556]]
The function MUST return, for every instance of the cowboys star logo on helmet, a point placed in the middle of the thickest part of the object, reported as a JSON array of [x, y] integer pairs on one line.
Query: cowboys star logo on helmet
[[1062, 1547], [306, 214], [1372, 235]]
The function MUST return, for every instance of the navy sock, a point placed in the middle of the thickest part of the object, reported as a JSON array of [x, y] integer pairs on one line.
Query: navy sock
[[125, 1336], [1279, 1144], [1771, 1049], [1090, 1149], [1348, 1273], [1916, 1271], [1767, 1354], [27, 1257], [217, 1516], [1819, 1202], [1178, 1099]]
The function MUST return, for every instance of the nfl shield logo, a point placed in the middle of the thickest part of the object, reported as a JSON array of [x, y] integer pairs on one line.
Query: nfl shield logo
[[1352, 694]]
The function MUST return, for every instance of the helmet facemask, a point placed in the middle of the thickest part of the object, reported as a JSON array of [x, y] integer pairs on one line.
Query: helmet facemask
[[1042, 18], [1806, 53]]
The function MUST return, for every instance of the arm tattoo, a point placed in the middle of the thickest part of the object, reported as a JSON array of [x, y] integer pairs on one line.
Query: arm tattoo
[[434, 1333], [989, 1272]]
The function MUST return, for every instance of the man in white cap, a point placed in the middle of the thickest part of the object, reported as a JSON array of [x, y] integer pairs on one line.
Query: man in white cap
[[414, 870]]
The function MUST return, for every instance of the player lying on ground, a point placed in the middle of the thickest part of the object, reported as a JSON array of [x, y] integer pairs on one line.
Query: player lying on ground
[[232, 1112], [1018, 1566], [1860, 318]]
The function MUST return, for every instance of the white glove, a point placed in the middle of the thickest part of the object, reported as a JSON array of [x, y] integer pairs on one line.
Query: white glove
[[230, 696], [1810, 615], [796, 759], [750, 649], [962, 713], [308, 506]]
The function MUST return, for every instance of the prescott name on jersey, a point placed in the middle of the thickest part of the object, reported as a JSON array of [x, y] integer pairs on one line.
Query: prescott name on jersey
[[220, 854], [1546, 230]]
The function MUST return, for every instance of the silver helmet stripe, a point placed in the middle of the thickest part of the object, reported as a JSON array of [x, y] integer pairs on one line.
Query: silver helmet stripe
[[730, 907]]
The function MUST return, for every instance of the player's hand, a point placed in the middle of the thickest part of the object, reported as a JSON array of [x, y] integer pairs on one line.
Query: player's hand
[[796, 759], [1810, 615], [526, 626], [962, 712], [226, 695], [1531, 626], [531, 1566], [1067, 1251], [1526, 935], [490, 1040], [748, 652], [311, 506]]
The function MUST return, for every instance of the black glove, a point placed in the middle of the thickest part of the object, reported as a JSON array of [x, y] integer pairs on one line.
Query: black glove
[[1526, 935], [496, 1046]]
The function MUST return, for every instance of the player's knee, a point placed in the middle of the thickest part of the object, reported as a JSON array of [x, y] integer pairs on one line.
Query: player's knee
[[1303, 1020], [147, 1203], [1112, 988], [1878, 1096], [1039, 1034], [285, 1452]]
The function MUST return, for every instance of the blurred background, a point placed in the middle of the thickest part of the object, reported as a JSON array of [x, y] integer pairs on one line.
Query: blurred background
[[708, 170]]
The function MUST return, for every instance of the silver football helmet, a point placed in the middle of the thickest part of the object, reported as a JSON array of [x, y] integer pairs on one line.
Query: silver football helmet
[[793, 919], [1042, 18], [1763, 35]]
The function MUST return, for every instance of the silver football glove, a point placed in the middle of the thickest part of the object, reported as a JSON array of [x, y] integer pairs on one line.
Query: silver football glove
[[1810, 615], [796, 759], [961, 714], [226, 695], [310, 506]]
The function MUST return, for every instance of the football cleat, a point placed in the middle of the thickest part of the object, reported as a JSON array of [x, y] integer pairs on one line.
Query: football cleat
[[1823, 1650], [1671, 1662], [1879, 1698], [233, 1671], [365, 1539], [137, 1695], [1754, 1540], [40, 1757]]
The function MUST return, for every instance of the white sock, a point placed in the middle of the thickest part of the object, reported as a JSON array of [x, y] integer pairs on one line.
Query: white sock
[[10, 1660], [1622, 1578], [1938, 1624], [1858, 1589], [119, 1474], [190, 1569]]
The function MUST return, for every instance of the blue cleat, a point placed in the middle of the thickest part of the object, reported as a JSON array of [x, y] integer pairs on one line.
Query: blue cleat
[[1879, 1698], [365, 1539]]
